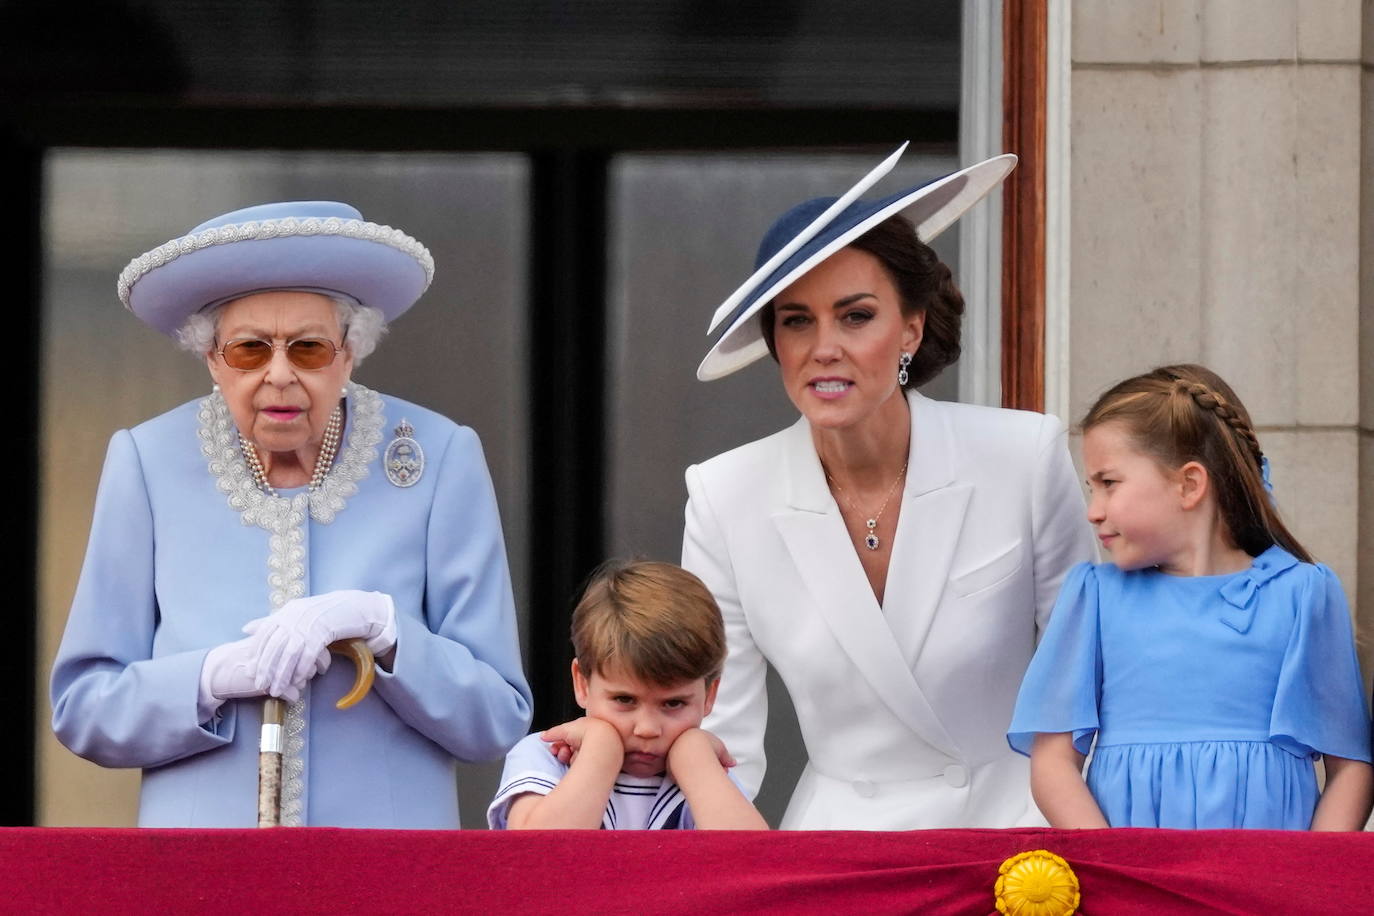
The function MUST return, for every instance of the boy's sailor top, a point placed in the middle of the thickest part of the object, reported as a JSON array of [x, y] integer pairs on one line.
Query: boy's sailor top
[[635, 803]]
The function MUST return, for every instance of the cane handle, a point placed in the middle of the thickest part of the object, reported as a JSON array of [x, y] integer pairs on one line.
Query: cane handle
[[364, 669]]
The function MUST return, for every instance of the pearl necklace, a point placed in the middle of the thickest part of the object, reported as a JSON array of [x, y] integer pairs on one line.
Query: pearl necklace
[[329, 445], [871, 541]]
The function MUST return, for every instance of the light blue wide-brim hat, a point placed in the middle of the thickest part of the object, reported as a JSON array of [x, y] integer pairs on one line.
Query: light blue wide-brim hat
[[317, 245], [814, 230]]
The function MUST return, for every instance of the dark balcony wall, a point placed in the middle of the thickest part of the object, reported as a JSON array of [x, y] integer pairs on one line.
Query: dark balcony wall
[[649, 53]]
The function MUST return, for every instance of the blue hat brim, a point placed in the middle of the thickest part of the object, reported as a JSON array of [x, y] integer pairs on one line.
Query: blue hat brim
[[315, 245], [932, 207]]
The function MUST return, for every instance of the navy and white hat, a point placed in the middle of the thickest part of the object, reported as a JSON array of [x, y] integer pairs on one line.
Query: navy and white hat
[[812, 231], [318, 246]]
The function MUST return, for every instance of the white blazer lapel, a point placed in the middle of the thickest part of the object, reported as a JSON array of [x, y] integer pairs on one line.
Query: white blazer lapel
[[933, 507], [824, 557]]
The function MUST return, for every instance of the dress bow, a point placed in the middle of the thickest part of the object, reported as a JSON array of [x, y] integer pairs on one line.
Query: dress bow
[[1240, 590]]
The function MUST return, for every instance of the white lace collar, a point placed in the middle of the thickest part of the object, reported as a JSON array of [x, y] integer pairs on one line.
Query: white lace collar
[[220, 445]]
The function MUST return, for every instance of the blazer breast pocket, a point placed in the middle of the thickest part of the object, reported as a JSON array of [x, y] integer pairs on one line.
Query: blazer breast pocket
[[1004, 564]]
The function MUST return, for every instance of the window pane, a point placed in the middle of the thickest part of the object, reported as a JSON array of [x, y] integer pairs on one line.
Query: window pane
[[648, 53], [684, 233]]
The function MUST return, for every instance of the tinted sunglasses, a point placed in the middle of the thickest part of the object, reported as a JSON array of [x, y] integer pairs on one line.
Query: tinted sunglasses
[[248, 353]]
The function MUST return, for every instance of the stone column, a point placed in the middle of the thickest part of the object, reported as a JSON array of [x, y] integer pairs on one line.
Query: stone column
[[1217, 165]]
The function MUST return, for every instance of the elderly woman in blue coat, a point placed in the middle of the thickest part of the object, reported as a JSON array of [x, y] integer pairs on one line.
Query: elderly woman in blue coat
[[236, 536]]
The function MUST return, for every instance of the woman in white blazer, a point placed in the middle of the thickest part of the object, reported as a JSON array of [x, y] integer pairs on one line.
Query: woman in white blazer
[[891, 556]]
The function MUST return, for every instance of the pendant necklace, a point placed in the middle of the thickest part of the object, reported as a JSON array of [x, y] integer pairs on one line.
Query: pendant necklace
[[329, 445], [871, 540]]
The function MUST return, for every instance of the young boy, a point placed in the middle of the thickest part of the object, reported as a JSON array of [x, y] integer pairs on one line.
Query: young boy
[[649, 645]]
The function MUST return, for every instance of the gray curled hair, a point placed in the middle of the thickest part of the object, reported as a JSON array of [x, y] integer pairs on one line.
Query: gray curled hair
[[366, 327]]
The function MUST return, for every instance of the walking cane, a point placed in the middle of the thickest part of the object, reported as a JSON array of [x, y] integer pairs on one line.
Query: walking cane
[[274, 710]]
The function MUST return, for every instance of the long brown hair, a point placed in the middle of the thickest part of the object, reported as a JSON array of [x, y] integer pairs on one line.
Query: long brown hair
[[1177, 414]]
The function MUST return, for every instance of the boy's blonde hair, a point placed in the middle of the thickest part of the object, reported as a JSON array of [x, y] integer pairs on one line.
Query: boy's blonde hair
[[655, 621]]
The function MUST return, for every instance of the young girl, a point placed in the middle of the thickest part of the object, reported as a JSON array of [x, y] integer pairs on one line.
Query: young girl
[[1212, 660]]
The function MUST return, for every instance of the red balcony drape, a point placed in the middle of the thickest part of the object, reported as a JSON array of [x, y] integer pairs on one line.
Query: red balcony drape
[[315, 870]]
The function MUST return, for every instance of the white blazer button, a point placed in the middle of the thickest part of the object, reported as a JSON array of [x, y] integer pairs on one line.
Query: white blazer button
[[865, 789], [956, 775]]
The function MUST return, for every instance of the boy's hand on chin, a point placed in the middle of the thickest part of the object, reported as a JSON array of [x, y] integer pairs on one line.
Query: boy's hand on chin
[[695, 747], [565, 741]]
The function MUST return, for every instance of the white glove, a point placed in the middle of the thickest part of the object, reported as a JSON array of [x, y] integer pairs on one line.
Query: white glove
[[290, 642], [230, 672]]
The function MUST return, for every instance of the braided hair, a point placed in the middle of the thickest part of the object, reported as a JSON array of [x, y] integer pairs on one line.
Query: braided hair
[[924, 284], [1178, 414]]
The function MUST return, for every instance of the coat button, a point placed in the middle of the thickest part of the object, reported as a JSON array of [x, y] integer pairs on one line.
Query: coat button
[[956, 775], [865, 789]]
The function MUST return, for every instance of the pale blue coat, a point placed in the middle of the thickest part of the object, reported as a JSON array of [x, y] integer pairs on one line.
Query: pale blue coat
[[171, 570]]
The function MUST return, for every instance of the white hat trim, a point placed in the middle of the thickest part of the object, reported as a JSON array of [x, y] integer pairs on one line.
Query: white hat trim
[[259, 230]]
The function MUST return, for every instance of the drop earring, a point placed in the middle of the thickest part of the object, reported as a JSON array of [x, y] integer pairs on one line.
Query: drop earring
[[902, 375]]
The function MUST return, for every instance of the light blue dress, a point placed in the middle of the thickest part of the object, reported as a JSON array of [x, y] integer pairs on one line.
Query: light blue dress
[[1210, 696], [184, 550]]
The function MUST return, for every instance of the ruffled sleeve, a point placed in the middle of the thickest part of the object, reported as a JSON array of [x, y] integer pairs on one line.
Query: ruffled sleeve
[[1063, 684], [1319, 706]]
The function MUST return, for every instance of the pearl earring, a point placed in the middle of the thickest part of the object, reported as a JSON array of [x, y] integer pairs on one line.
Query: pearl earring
[[902, 375]]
